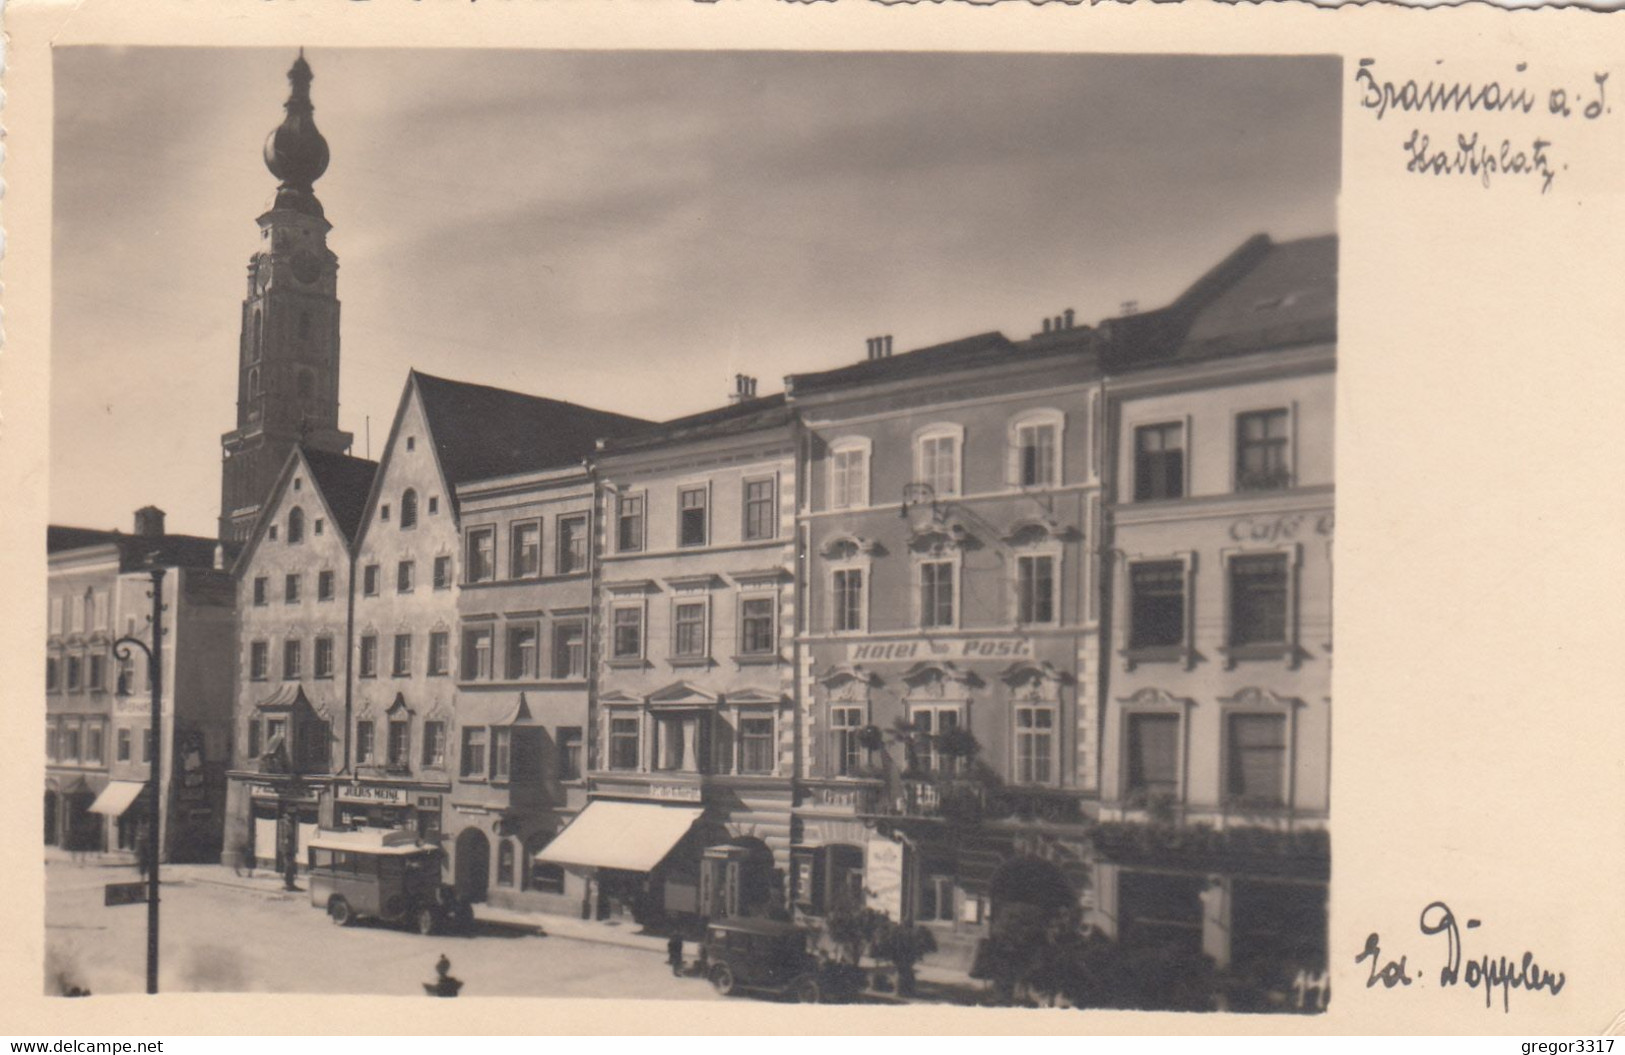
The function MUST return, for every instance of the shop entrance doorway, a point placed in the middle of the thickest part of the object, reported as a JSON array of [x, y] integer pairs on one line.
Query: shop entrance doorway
[[473, 870]]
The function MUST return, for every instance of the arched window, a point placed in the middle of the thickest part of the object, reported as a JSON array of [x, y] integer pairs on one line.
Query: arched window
[[296, 525], [505, 862], [409, 508], [259, 335]]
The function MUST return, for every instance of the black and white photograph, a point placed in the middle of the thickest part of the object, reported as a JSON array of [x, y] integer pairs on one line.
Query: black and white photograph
[[835, 528]]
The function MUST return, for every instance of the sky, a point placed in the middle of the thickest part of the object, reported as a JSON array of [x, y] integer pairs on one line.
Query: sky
[[630, 229]]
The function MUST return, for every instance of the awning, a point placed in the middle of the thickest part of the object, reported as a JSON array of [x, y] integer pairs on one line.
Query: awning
[[117, 796], [633, 836], [493, 708], [286, 698]]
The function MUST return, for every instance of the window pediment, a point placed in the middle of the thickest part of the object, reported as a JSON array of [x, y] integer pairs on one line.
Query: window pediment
[[1036, 530], [681, 694], [1252, 696], [938, 678], [850, 547], [1152, 697]]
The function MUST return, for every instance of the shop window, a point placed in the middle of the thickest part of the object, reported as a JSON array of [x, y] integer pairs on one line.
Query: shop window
[[1279, 924], [439, 652], [1035, 745], [691, 516], [402, 666], [525, 541], [521, 652], [1159, 461], [570, 650], [689, 636], [501, 753], [400, 753], [369, 580], [1261, 451], [627, 641], [629, 523], [547, 878], [324, 584], [366, 747], [849, 474], [845, 723], [936, 578], [1255, 764], [1258, 599], [323, 661], [936, 899], [121, 746], [482, 564], [936, 459], [572, 556], [477, 654], [262, 587], [296, 526], [259, 661], [369, 656], [756, 745], [1035, 589], [1153, 756], [442, 573], [569, 745], [290, 589], [761, 509], [434, 744], [848, 599], [473, 760], [1157, 605], [409, 509], [505, 863], [623, 744], [292, 659], [757, 620], [405, 576]]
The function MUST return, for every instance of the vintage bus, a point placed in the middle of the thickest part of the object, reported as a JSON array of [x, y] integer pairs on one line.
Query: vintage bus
[[385, 875]]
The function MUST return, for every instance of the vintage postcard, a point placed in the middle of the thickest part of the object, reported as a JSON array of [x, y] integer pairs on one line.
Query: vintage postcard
[[813, 518]]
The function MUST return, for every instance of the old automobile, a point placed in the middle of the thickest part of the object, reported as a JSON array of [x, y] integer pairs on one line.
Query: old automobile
[[771, 957], [385, 875]]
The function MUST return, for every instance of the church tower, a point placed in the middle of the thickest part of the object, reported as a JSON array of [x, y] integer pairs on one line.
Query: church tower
[[288, 356]]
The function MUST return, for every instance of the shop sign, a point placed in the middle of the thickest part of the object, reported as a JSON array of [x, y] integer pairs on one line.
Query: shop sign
[[830, 833], [940, 649], [372, 793], [1283, 528], [852, 799], [883, 877], [676, 792], [428, 802], [261, 791]]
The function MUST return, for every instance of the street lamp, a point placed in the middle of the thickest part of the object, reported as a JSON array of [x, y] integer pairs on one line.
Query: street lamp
[[155, 676]]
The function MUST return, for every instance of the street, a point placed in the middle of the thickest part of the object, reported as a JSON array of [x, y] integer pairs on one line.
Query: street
[[226, 939]]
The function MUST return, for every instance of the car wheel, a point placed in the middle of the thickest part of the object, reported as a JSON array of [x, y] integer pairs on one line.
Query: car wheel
[[339, 911], [722, 979], [807, 992], [428, 920]]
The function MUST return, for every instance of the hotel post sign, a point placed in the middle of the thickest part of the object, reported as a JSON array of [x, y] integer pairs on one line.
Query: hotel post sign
[[927, 648]]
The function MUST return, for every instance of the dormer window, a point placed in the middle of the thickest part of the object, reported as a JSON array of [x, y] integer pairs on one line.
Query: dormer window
[[296, 525]]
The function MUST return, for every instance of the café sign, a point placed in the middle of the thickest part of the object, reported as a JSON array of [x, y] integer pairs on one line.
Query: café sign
[[940, 649], [372, 793], [676, 792]]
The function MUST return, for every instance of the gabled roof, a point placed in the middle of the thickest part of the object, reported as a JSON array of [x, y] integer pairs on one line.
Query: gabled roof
[[735, 419], [344, 482], [966, 352], [482, 432]]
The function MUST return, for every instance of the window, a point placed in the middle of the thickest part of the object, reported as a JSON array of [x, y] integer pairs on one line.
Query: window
[[629, 524], [402, 665], [253, 738], [291, 656], [849, 476], [572, 544], [547, 878], [439, 652], [399, 743], [761, 516], [126, 676], [365, 747], [936, 593], [259, 661], [262, 586], [482, 555], [405, 575], [628, 633], [98, 673], [933, 722], [1255, 769], [501, 753], [1153, 756], [319, 524], [434, 744], [1157, 605], [70, 742], [756, 623], [570, 650], [691, 518], [122, 745], [756, 745], [681, 744], [689, 637], [473, 761], [76, 671], [434, 504], [411, 445], [477, 654], [369, 656], [522, 652], [1258, 600], [848, 599], [369, 580], [323, 663], [505, 859], [936, 460], [290, 589], [383, 513], [94, 734], [324, 585], [442, 573], [1035, 742], [623, 743], [526, 542], [936, 899], [1035, 449], [1261, 451], [296, 525], [53, 742], [845, 722], [409, 509], [569, 744], [1035, 589], [1159, 462]]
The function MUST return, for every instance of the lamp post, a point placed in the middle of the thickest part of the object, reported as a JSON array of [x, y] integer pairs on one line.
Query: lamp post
[[155, 676]]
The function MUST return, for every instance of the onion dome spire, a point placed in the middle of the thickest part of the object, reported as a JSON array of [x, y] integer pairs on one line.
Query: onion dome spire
[[295, 151]]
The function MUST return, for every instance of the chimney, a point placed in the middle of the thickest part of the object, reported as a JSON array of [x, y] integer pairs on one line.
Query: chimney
[[879, 347], [149, 522], [1129, 307], [744, 388], [1046, 324]]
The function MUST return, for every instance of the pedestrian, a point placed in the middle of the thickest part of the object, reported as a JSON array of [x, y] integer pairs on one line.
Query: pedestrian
[[674, 953], [290, 869], [444, 984]]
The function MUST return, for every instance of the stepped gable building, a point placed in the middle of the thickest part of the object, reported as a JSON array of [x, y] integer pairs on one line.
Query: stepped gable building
[[949, 626], [295, 635], [692, 753], [288, 354], [1216, 745], [99, 738], [420, 760]]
